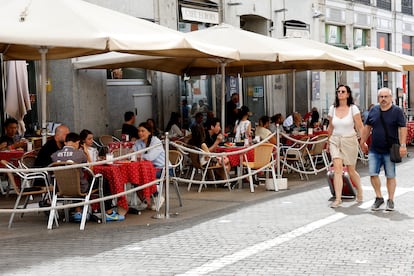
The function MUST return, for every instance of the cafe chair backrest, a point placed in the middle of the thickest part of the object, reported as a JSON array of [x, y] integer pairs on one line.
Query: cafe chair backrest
[[263, 154], [67, 180], [106, 139], [27, 160]]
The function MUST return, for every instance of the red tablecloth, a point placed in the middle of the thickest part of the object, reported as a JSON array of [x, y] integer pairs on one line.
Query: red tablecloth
[[136, 173], [12, 156], [410, 132], [117, 145], [235, 158]]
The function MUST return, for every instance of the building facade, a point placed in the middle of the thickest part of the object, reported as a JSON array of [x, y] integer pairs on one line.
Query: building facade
[[97, 99]]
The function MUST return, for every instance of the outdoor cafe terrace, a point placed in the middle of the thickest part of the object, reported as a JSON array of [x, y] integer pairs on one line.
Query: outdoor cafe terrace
[[301, 156]]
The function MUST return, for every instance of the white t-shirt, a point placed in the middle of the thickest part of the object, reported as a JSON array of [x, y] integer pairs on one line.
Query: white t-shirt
[[175, 131], [262, 132], [343, 126], [241, 128]]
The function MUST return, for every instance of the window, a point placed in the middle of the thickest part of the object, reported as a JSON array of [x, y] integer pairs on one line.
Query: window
[[364, 2], [407, 6], [334, 35], [124, 76], [360, 37], [407, 42], [384, 4]]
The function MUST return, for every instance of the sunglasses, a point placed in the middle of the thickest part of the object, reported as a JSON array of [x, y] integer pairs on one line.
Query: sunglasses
[[341, 91]]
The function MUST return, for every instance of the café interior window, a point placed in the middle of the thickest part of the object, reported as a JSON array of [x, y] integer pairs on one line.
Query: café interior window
[[138, 74]]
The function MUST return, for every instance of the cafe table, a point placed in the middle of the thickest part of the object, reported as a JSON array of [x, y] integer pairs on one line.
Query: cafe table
[[120, 145], [236, 159], [410, 132], [11, 156], [121, 172]]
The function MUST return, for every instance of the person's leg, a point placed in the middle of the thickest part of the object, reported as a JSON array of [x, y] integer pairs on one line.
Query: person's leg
[[356, 179], [389, 168], [374, 166], [376, 161], [338, 181], [391, 186], [376, 184]]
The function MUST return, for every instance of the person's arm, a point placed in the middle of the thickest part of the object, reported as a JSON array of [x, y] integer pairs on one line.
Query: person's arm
[[249, 130], [153, 153], [273, 139], [218, 140], [366, 131], [402, 133], [358, 123]]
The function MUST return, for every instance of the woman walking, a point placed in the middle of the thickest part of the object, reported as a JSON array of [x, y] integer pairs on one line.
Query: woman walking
[[344, 118]]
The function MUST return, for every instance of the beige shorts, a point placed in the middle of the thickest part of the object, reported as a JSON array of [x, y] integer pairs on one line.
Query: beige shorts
[[345, 148]]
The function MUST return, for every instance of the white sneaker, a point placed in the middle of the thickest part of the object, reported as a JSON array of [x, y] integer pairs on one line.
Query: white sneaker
[[154, 205]]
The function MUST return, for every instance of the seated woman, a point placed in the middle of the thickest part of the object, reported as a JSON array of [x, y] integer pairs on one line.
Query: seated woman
[[173, 126], [155, 131], [243, 127], [262, 130], [86, 145], [156, 155]]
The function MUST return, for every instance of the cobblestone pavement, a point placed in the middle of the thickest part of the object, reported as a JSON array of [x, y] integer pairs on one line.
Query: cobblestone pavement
[[291, 233]]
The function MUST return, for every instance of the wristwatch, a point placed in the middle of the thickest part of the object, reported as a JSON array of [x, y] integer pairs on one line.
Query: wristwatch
[[403, 145]]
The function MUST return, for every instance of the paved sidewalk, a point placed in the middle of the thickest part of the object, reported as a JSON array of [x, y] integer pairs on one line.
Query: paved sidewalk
[[210, 202]]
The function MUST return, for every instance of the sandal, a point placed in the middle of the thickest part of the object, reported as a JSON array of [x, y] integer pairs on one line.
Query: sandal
[[336, 203], [359, 198]]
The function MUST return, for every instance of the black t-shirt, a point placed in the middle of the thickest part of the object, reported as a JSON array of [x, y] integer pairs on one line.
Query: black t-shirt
[[231, 116], [131, 130], [210, 139], [9, 140], [44, 157]]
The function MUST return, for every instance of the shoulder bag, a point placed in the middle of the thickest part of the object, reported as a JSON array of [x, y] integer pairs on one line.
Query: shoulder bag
[[395, 148]]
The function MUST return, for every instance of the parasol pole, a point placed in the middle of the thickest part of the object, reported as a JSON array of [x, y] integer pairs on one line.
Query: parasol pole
[[223, 94], [43, 51]]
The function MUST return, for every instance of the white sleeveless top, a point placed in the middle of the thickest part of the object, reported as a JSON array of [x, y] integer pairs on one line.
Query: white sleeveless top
[[343, 126]]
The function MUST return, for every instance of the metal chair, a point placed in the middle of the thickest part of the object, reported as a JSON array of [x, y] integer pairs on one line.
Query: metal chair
[[67, 188], [27, 160], [25, 189], [208, 167], [317, 150], [296, 156]]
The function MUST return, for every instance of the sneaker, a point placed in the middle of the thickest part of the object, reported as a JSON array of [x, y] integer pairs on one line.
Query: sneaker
[[390, 205], [114, 217], [154, 206], [77, 217], [378, 202]]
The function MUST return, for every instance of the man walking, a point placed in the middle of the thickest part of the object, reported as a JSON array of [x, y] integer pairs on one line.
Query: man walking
[[388, 126]]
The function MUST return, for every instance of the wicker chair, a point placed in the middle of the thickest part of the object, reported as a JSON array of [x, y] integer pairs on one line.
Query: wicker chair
[[67, 188], [263, 157]]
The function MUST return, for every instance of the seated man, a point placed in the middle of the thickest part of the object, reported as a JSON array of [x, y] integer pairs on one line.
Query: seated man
[[44, 158], [129, 127], [11, 140], [197, 130], [212, 139], [262, 130], [71, 152]]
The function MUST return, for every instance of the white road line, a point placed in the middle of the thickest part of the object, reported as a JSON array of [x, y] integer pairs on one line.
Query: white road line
[[251, 250], [260, 247]]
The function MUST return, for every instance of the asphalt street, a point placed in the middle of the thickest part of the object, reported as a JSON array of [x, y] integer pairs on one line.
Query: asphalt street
[[288, 233]]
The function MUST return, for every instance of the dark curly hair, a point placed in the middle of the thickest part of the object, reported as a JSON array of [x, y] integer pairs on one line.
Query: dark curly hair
[[350, 99]]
